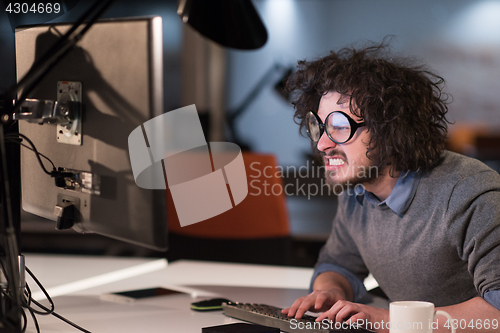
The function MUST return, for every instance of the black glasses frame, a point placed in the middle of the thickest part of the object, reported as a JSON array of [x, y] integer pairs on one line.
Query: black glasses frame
[[354, 126]]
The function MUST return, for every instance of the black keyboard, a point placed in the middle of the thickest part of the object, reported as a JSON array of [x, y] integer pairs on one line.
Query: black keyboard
[[271, 316]]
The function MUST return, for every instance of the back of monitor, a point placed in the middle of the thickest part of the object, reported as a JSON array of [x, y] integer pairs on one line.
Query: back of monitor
[[119, 66]]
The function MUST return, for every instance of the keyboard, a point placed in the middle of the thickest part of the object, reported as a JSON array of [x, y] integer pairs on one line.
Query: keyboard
[[271, 316]]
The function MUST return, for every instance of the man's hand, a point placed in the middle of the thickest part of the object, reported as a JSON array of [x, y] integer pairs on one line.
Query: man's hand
[[344, 311], [317, 301], [329, 287]]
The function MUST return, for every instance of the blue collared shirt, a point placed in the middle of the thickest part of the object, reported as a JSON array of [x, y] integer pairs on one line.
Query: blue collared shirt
[[398, 201], [401, 195]]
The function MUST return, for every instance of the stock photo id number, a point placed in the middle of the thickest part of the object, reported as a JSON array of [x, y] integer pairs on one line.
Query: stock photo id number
[[20, 13], [34, 8]]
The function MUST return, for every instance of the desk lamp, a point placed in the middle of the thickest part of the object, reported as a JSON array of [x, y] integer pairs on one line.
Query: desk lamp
[[231, 23]]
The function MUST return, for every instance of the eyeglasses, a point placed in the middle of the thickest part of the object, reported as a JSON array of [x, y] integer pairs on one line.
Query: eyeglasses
[[339, 127]]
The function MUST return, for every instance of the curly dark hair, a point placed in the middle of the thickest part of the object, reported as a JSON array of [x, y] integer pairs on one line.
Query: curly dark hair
[[403, 105]]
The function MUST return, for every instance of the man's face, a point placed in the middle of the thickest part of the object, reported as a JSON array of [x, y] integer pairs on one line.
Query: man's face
[[346, 163]]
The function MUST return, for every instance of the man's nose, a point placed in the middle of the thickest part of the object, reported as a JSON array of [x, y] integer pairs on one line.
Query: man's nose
[[325, 143]]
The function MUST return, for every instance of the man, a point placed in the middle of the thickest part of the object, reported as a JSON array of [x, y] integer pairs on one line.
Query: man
[[426, 224]]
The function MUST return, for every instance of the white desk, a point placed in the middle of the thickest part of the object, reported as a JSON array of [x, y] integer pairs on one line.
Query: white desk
[[89, 277], [239, 282]]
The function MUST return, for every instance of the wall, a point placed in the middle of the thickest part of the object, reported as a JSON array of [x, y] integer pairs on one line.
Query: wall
[[459, 39]]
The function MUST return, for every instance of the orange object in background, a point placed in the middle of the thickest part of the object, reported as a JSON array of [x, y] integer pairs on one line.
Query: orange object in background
[[476, 140], [262, 214]]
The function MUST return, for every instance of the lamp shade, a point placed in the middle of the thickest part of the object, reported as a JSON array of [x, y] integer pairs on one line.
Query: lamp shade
[[231, 23]]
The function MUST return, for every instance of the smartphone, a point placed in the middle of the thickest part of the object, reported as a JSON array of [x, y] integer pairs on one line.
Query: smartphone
[[129, 296]]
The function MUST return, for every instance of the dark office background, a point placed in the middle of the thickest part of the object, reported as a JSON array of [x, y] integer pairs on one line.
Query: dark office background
[[458, 39]]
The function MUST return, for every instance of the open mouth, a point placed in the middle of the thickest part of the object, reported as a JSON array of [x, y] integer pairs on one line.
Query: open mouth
[[335, 162]]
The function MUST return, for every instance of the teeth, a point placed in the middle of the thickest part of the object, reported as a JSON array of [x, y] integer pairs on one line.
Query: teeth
[[335, 161]]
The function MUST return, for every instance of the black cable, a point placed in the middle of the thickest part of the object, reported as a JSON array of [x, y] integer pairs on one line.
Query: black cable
[[26, 303], [55, 314], [50, 311], [25, 322], [15, 135], [35, 321], [25, 319], [12, 138], [52, 306], [57, 174], [27, 295], [42, 155]]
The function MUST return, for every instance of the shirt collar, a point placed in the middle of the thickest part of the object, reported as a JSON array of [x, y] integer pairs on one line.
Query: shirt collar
[[401, 195]]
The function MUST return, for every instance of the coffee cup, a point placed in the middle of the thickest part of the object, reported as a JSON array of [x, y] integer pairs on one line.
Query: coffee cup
[[414, 317]]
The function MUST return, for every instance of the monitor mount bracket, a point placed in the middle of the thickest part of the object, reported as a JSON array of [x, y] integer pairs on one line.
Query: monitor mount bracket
[[66, 112]]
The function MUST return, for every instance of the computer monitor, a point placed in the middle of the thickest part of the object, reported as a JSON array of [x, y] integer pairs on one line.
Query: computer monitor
[[118, 65]]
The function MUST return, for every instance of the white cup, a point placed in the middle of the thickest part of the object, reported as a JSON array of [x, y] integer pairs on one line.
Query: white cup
[[414, 317]]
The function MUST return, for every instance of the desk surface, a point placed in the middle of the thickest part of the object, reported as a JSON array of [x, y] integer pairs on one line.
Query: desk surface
[[89, 277], [77, 283]]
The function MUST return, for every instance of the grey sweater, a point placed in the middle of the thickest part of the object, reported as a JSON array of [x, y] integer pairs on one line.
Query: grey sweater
[[445, 248]]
